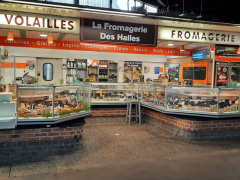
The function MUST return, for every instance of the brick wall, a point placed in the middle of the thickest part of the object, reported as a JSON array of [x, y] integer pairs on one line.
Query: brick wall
[[30, 145], [193, 125], [189, 60], [40, 134], [110, 112]]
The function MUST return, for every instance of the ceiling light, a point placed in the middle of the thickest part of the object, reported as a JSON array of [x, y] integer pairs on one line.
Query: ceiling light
[[10, 36], [182, 48], [170, 44], [50, 39], [43, 35]]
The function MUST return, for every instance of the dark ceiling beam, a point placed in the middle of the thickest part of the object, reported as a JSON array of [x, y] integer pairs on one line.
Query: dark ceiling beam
[[61, 36], [23, 33]]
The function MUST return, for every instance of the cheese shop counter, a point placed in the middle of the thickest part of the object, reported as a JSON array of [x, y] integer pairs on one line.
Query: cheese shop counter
[[194, 101]]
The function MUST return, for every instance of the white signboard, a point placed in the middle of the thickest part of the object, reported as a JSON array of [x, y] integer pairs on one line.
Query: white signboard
[[191, 35], [42, 23]]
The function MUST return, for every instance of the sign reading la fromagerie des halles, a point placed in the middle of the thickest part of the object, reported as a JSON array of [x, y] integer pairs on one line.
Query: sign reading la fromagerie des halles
[[100, 31]]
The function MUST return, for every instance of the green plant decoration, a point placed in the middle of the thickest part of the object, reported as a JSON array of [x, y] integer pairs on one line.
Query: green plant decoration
[[47, 115]]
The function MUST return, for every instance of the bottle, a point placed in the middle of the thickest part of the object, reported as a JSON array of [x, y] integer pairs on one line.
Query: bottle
[[7, 88]]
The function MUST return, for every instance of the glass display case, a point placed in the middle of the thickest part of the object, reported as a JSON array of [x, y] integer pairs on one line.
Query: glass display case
[[192, 100], [160, 96], [228, 101], [51, 104], [148, 93], [111, 93], [137, 95], [211, 102], [153, 95]]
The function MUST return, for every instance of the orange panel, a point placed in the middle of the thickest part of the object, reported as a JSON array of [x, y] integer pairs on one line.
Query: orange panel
[[115, 48], [11, 65], [227, 59]]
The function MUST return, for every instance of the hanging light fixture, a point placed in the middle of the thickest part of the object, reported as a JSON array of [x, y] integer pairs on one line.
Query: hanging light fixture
[[10, 36], [238, 51], [182, 48], [50, 39], [212, 48], [200, 16], [183, 14]]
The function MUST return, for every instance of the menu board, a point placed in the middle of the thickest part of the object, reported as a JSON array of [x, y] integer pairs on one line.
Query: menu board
[[197, 71], [200, 73], [187, 72]]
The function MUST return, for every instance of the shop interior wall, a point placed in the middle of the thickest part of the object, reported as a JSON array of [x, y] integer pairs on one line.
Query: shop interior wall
[[8, 73], [156, 60], [150, 75], [189, 60]]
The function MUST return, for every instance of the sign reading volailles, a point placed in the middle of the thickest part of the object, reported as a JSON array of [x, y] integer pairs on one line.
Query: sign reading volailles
[[93, 30], [35, 22]]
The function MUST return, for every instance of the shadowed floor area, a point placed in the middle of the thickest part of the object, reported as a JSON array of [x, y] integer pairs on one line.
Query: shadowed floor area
[[120, 151]]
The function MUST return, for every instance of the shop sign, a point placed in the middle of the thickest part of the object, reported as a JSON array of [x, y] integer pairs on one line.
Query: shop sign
[[227, 59], [41, 23], [226, 50], [93, 30], [69, 45], [203, 36]]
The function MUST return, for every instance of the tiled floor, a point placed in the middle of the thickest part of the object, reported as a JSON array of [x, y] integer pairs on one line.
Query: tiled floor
[[108, 145]]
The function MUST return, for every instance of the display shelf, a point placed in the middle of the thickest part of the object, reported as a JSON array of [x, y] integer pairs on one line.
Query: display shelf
[[81, 68], [56, 103], [7, 111], [92, 66]]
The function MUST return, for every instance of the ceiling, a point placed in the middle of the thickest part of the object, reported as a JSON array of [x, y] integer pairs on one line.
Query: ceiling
[[215, 10], [210, 10], [115, 16]]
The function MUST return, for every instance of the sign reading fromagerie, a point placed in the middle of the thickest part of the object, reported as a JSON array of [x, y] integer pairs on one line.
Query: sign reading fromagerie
[[204, 36], [43, 23], [93, 30]]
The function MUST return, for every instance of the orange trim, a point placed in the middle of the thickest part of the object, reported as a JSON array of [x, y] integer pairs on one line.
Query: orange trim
[[227, 59], [196, 64], [11, 65], [69, 45]]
